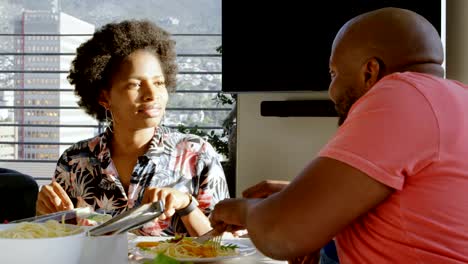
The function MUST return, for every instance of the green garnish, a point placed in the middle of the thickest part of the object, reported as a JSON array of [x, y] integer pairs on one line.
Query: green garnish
[[177, 238], [229, 247]]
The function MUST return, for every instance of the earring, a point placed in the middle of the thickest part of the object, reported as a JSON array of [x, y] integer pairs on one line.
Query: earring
[[109, 119]]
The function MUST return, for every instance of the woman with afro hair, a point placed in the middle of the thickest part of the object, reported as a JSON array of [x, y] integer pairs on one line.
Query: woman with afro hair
[[122, 75]]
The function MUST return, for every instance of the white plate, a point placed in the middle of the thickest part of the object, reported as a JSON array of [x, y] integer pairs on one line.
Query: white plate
[[244, 247]]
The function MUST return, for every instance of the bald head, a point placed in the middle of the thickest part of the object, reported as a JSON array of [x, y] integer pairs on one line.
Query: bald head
[[401, 39], [378, 43]]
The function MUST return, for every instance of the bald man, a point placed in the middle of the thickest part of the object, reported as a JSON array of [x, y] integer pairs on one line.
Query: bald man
[[391, 186]]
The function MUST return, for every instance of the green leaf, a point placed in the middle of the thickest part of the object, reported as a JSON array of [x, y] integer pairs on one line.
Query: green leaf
[[228, 246]]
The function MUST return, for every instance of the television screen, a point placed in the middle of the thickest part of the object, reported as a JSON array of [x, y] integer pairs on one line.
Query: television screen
[[284, 46]]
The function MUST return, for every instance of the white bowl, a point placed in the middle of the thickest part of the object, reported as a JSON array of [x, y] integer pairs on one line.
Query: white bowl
[[56, 250], [111, 249]]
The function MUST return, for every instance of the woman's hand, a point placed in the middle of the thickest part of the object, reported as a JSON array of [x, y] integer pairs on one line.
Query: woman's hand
[[52, 198], [173, 199], [264, 189]]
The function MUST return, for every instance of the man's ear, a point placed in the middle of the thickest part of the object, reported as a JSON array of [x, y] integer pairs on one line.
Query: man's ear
[[372, 72]]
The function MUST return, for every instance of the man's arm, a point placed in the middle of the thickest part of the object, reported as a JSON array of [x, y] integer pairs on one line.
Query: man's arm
[[316, 205], [264, 189]]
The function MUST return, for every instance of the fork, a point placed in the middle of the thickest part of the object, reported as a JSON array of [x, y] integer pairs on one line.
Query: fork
[[216, 241], [212, 236]]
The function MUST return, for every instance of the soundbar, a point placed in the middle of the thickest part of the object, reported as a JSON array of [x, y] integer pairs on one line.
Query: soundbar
[[290, 108]]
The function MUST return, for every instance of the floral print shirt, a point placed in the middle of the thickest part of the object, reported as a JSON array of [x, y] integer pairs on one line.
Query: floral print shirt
[[185, 162]]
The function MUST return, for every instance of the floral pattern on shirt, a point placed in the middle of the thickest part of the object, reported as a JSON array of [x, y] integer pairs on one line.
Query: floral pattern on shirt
[[182, 161]]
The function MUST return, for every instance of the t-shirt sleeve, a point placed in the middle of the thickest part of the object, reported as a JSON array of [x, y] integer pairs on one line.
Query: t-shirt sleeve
[[390, 133]]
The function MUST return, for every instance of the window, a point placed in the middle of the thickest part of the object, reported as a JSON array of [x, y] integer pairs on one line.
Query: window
[[37, 105]]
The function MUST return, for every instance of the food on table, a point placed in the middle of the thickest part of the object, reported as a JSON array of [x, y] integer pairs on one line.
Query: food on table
[[50, 228], [187, 247]]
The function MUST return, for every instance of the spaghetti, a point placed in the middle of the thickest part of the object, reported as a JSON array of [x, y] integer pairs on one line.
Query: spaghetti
[[188, 248], [48, 229]]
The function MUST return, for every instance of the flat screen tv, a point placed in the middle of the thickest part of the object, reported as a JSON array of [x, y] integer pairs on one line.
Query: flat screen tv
[[284, 46]]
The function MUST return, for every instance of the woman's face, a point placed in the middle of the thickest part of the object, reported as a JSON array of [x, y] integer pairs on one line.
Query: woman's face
[[138, 94]]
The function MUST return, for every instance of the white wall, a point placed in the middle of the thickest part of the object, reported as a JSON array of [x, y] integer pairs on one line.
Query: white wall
[[278, 148], [457, 40]]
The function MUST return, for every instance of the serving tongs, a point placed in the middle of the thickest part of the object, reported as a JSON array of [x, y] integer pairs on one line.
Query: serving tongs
[[61, 216], [129, 220]]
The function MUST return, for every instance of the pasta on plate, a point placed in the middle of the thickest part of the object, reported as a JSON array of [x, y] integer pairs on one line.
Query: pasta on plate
[[187, 248]]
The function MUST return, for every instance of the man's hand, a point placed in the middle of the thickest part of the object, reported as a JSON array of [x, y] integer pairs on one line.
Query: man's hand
[[264, 189], [230, 215], [52, 198], [173, 199]]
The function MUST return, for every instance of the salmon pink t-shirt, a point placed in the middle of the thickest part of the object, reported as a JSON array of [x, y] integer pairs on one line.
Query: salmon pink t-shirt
[[409, 132]]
